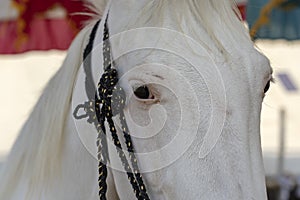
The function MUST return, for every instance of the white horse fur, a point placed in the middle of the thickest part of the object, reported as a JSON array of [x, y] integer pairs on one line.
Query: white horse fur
[[49, 161]]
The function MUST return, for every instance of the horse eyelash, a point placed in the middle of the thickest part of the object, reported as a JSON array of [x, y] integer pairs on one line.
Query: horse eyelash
[[273, 80]]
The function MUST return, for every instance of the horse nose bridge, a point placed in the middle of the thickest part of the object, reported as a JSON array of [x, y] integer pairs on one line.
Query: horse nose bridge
[[243, 122], [258, 173], [253, 154]]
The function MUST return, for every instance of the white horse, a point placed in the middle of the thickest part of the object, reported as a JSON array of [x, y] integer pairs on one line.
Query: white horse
[[196, 131]]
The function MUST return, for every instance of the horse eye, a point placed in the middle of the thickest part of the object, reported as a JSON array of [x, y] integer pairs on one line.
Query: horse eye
[[267, 87], [142, 92]]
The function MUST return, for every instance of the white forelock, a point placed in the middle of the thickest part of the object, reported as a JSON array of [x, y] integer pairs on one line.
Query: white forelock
[[206, 21]]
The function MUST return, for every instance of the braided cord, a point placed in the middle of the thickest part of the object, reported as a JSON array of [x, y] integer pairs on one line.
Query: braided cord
[[132, 156], [113, 96], [106, 88], [99, 108], [102, 150], [123, 158]]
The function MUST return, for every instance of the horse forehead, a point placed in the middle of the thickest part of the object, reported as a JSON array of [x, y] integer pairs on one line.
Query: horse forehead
[[248, 63], [248, 71]]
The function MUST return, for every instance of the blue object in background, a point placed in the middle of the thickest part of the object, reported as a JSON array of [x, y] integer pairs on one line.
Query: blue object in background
[[287, 82], [284, 21]]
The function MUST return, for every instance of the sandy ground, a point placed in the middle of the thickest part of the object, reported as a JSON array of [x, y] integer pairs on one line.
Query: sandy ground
[[23, 77]]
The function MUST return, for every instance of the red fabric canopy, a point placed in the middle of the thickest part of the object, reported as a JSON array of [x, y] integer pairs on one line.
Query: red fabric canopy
[[33, 30]]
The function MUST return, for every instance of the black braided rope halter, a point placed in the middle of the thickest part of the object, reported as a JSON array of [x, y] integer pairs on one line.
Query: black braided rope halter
[[108, 101]]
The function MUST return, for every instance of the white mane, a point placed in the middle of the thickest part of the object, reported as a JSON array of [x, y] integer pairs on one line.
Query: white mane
[[35, 155], [38, 162]]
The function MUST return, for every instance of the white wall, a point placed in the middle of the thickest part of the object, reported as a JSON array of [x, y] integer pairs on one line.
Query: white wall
[[22, 78]]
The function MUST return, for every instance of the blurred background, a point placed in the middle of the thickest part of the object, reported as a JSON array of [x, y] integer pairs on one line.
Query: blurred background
[[34, 36]]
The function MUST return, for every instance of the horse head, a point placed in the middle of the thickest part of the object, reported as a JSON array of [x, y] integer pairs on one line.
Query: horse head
[[194, 86]]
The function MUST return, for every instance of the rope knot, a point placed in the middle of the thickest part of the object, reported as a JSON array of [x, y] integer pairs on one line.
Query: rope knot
[[110, 93], [109, 100], [107, 82], [89, 111]]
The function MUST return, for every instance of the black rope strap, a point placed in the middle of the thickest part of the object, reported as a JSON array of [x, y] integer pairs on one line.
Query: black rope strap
[[89, 81], [109, 100]]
